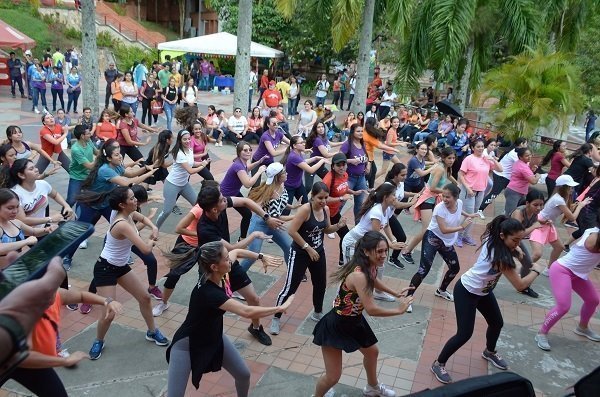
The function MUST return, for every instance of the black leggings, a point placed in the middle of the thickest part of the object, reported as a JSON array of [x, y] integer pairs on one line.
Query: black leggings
[[431, 245], [499, 183], [206, 174], [132, 151], [43, 382], [398, 233], [372, 174], [466, 305], [341, 233], [147, 110], [298, 262]]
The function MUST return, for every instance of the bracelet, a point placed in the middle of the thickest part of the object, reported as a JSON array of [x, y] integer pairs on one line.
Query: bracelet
[[107, 301], [535, 271], [394, 241], [260, 256]]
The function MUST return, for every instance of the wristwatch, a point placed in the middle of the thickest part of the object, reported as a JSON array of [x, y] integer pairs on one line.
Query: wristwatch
[[107, 301], [533, 270], [305, 246], [19, 350], [260, 256], [266, 216]]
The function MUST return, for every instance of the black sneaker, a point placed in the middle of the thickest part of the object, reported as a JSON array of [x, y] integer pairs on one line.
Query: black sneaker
[[572, 225], [495, 359], [408, 258], [529, 292], [566, 248], [440, 373], [260, 335], [396, 262]]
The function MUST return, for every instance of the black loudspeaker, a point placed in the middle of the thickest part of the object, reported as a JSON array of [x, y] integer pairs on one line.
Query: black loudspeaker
[[588, 386], [503, 384]]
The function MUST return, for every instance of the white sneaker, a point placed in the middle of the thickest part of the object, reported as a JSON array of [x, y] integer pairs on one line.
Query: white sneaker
[[331, 235], [316, 316], [380, 390], [293, 118], [36, 110], [546, 273], [480, 213], [83, 245], [239, 296], [409, 309], [159, 309], [383, 296], [275, 326], [444, 294]]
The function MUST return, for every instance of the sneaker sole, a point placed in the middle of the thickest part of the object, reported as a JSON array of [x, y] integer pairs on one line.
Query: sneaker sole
[[540, 346], [587, 336], [397, 266], [99, 355], [157, 342], [493, 362], [446, 382], [443, 297]]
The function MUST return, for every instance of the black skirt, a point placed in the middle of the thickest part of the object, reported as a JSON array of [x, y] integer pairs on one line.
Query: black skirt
[[347, 333]]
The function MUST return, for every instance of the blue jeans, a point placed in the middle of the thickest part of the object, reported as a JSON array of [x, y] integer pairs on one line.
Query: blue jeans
[[73, 190], [357, 182], [292, 105], [169, 113], [419, 136], [133, 106], [73, 97], [320, 100], [298, 193], [204, 82], [37, 93], [280, 237]]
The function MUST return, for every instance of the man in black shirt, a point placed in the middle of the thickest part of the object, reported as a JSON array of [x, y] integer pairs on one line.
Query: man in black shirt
[[14, 67], [214, 226], [110, 75]]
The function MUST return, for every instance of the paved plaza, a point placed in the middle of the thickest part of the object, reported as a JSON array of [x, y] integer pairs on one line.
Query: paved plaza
[[408, 344]]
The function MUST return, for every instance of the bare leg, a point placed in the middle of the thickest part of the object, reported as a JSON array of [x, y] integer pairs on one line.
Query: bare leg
[[557, 248], [425, 219], [134, 286], [370, 355], [333, 370], [103, 322]]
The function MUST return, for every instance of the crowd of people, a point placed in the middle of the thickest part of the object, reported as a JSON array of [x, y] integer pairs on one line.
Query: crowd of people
[[454, 172]]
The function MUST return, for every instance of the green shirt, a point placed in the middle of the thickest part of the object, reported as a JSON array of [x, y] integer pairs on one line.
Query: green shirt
[[79, 156], [164, 76]]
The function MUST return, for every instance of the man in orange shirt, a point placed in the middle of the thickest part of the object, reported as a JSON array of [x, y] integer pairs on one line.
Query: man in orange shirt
[[263, 86], [272, 96]]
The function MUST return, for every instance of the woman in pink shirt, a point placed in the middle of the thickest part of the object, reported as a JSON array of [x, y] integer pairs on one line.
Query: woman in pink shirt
[[473, 178], [522, 176], [199, 144]]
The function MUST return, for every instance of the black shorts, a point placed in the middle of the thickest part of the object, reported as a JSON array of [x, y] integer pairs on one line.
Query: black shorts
[[106, 275], [426, 206], [238, 278]]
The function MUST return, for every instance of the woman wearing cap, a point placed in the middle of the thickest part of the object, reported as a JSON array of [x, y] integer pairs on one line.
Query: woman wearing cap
[[177, 182], [238, 175], [558, 204], [273, 199]]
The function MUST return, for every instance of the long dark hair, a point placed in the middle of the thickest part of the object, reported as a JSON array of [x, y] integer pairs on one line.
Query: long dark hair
[[376, 197], [17, 168], [104, 154], [498, 253], [178, 145], [367, 243], [394, 171], [372, 129], [581, 151], [313, 134], [555, 149], [351, 137], [160, 150], [6, 195], [519, 141], [293, 141]]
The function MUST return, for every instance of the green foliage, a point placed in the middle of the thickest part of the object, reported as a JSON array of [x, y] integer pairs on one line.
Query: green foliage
[[126, 55], [72, 33], [104, 39], [535, 89], [587, 58]]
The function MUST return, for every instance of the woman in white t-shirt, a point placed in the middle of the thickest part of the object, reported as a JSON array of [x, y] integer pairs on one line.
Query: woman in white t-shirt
[[440, 237], [177, 182], [474, 291], [374, 214]]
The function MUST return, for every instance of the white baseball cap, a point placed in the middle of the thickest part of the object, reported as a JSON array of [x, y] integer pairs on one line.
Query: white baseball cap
[[272, 171], [27, 52], [565, 180]]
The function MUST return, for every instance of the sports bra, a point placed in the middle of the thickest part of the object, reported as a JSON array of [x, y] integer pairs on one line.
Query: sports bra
[[6, 238], [25, 154]]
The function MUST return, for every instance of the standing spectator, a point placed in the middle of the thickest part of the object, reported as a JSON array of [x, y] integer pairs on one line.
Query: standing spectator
[[284, 89], [28, 63], [205, 74], [352, 87], [590, 124], [74, 57], [164, 75], [68, 64], [140, 72], [170, 101], [57, 80], [293, 97], [58, 59], [252, 80], [117, 95], [129, 90], [110, 75], [212, 72], [322, 87], [264, 84], [272, 96], [344, 79], [149, 91], [73, 89], [38, 85], [14, 67], [47, 60], [337, 89]]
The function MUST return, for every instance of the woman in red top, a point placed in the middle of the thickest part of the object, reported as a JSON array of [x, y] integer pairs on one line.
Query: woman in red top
[[52, 135], [105, 129], [558, 161], [339, 193], [127, 133]]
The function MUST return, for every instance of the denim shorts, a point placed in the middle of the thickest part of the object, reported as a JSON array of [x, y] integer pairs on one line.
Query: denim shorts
[[106, 275], [387, 156]]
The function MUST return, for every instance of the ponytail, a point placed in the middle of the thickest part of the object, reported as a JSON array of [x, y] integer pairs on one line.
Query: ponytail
[[376, 197], [498, 254]]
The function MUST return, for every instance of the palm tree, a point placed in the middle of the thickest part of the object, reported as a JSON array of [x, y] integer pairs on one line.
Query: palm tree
[[538, 88], [456, 38], [346, 15], [242, 59], [89, 56], [565, 20]]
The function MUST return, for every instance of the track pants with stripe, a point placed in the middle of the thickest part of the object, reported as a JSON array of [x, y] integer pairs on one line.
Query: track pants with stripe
[[298, 262]]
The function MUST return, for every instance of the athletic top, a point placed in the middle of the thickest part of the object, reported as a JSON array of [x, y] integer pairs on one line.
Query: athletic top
[[347, 302], [6, 238], [441, 183], [452, 219], [311, 231], [25, 154], [507, 163], [481, 279], [579, 260], [117, 252], [526, 222]]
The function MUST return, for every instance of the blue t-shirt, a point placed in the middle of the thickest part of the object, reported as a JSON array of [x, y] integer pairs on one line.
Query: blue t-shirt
[[413, 179], [102, 182], [74, 80]]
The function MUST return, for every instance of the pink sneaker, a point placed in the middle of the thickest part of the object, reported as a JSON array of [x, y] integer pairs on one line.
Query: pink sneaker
[[85, 308], [155, 293]]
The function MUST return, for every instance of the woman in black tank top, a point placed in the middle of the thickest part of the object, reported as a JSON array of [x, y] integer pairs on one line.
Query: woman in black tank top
[[527, 214], [307, 230]]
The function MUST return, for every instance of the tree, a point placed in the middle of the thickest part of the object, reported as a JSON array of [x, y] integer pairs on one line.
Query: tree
[[456, 38], [565, 21], [537, 88], [587, 57], [242, 59], [89, 60], [181, 8]]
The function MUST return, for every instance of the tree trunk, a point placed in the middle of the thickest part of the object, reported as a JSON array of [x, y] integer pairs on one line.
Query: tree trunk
[[364, 59], [463, 95], [139, 12], [181, 17], [89, 57], [242, 59]]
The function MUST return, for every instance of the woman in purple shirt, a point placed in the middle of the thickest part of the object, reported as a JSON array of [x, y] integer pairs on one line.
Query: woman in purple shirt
[[269, 144], [321, 147], [354, 149], [238, 175], [295, 166]]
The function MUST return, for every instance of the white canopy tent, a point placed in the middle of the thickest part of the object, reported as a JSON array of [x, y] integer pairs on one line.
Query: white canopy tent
[[222, 43]]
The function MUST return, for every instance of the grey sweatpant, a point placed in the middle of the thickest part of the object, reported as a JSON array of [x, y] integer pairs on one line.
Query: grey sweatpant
[[170, 193], [180, 367]]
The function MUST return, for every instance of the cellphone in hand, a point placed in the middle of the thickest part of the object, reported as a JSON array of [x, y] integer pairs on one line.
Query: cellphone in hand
[[33, 263]]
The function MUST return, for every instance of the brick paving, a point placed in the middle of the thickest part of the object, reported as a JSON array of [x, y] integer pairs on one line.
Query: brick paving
[[293, 350]]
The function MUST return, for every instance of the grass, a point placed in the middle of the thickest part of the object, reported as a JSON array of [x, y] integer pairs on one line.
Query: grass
[[168, 33]]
